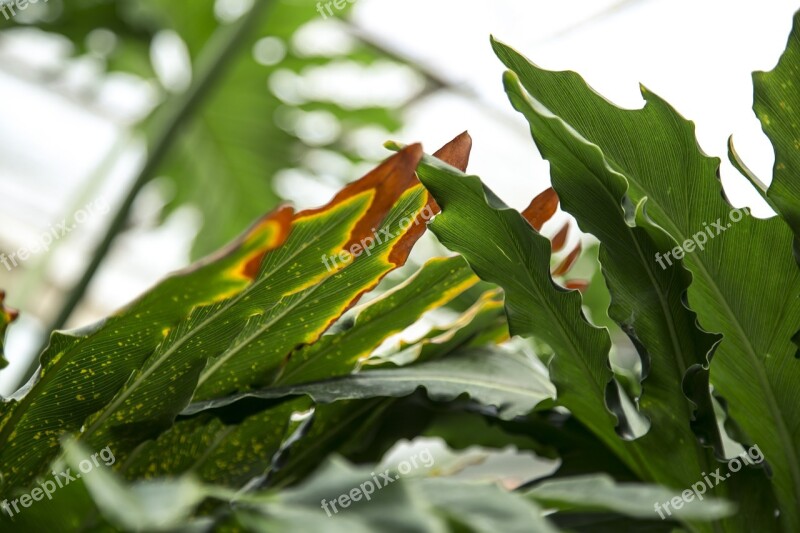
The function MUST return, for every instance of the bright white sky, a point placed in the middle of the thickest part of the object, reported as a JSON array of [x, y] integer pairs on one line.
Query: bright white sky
[[697, 54]]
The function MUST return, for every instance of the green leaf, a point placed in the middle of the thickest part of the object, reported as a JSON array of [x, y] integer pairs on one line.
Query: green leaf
[[148, 506], [506, 380], [435, 284], [231, 451], [503, 248], [745, 283], [646, 299], [224, 326], [405, 504], [777, 106], [636, 500]]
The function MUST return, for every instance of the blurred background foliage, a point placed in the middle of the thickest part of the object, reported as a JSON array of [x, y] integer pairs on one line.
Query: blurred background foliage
[[263, 115], [228, 115]]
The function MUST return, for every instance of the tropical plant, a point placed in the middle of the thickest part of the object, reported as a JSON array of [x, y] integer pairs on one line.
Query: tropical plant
[[222, 137], [227, 391]]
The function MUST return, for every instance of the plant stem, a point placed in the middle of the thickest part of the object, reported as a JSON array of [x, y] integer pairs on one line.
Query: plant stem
[[215, 58]]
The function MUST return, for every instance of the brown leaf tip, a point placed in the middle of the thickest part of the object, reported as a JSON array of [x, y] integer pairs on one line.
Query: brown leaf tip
[[568, 261], [560, 238], [577, 284], [541, 209], [456, 153]]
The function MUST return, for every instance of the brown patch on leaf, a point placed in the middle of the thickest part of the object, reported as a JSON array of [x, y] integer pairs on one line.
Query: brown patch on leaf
[[455, 153], [389, 181], [281, 218]]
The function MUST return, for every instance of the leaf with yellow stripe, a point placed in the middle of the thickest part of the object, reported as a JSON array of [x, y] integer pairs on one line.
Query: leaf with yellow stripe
[[82, 370], [223, 327], [230, 451]]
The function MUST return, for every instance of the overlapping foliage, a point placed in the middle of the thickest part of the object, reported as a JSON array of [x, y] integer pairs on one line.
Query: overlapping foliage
[[225, 390]]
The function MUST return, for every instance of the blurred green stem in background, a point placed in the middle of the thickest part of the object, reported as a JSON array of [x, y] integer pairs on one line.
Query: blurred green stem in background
[[174, 114]]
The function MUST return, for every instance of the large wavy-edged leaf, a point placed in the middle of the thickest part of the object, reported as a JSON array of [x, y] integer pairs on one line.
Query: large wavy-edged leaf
[[646, 302], [777, 105], [503, 248], [746, 284], [229, 325], [504, 379]]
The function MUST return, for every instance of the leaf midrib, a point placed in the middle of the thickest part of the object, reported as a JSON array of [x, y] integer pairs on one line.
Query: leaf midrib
[[263, 278], [229, 353], [648, 268], [777, 414]]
